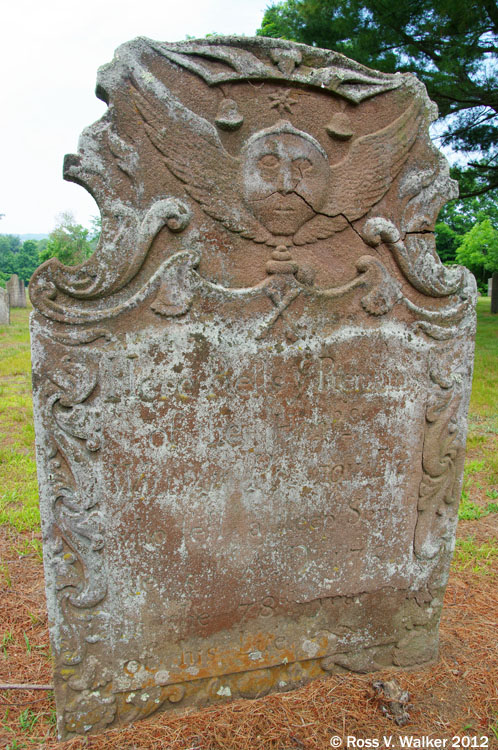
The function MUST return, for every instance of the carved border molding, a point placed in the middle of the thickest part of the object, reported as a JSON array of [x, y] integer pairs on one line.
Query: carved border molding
[[443, 456], [285, 61], [77, 538]]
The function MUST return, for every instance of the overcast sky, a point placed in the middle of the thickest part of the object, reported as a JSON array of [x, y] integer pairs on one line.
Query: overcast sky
[[50, 52]]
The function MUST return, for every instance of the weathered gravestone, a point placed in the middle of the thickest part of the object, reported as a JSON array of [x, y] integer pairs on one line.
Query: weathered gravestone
[[22, 293], [4, 307], [251, 401], [17, 291]]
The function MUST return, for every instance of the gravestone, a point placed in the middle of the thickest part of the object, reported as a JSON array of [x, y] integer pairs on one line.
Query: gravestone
[[493, 292], [251, 401], [17, 291], [4, 307], [22, 293], [490, 287], [12, 287]]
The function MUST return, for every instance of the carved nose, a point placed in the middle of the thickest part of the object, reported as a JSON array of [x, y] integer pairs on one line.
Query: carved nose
[[286, 183]]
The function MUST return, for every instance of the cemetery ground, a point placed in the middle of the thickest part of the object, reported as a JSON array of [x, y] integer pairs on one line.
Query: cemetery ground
[[458, 695]]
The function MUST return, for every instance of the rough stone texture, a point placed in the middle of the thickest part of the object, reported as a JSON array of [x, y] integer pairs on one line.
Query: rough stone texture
[[4, 307], [17, 291], [251, 402]]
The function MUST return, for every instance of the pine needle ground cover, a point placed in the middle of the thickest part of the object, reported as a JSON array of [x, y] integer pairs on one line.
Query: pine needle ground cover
[[456, 696]]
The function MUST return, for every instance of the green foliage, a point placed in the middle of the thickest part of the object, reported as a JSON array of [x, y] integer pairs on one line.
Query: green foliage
[[478, 249], [95, 231], [68, 242], [18, 257], [27, 259], [447, 242], [449, 44], [462, 214], [10, 244], [466, 233]]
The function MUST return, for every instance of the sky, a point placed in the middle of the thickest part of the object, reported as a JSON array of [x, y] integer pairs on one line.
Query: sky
[[50, 52]]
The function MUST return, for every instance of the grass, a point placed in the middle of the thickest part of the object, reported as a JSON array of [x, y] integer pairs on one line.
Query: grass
[[19, 490], [469, 511], [7, 638], [484, 401], [344, 702], [478, 558], [480, 486]]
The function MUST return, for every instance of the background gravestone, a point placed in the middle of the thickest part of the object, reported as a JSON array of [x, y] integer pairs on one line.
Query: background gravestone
[[17, 291], [251, 401], [4, 307], [22, 293]]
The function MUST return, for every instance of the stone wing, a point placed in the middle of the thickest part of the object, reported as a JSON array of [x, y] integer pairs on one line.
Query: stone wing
[[364, 176], [319, 228], [194, 153]]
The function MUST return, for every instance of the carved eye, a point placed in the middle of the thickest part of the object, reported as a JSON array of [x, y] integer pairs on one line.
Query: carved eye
[[301, 166], [269, 161]]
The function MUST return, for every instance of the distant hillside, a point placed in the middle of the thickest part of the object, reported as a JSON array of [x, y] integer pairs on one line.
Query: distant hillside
[[33, 237]]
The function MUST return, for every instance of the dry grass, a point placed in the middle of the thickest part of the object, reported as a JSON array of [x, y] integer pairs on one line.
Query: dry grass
[[458, 694]]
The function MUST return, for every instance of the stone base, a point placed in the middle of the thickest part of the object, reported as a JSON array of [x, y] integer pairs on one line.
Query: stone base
[[372, 632]]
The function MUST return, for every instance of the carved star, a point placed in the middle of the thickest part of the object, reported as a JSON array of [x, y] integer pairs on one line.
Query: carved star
[[283, 101]]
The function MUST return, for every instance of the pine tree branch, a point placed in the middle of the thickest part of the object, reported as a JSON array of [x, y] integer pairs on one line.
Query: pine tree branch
[[492, 11]]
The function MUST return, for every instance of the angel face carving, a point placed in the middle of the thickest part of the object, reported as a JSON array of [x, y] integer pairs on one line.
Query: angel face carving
[[285, 175], [282, 184]]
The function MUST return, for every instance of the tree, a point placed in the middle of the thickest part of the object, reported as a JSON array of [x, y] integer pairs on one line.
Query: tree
[[68, 242], [479, 252], [10, 245], [95, 231], [479, 248], [27, 259], [459, 216], [447, 242], [449, 44], [17, 257]]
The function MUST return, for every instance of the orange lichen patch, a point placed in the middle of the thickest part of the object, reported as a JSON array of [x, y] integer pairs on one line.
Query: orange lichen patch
[[457, 695]]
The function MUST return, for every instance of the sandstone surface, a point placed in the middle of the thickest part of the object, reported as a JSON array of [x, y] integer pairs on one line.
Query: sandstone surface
[[251, 401]]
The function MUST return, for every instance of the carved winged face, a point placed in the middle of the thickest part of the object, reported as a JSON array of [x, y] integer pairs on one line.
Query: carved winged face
[[288, 187], [285, 178]]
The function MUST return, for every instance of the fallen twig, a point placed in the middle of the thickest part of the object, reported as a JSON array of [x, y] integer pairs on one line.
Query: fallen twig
[[26, 686]]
